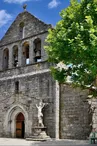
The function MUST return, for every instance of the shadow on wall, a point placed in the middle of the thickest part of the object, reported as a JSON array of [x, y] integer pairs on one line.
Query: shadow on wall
[[48, 118]]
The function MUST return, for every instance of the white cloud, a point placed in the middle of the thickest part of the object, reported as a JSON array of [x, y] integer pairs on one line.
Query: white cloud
[[53, 4], [18, 1], [4, 17]]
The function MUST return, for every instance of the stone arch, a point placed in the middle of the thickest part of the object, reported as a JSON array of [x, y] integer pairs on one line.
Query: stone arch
[[9, 124], [15, 56], [37, 50], [25, 53], [5, 58]]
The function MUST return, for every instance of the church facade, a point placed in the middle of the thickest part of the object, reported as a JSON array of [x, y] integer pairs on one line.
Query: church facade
[[25, 80]]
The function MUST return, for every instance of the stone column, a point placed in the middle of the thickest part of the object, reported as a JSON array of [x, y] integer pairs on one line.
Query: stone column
[[10, 63], [43, 43], [31, 55], [57, 111], [20, 54]]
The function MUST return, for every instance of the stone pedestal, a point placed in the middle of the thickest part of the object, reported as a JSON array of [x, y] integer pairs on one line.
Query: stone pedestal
[[39, 134]]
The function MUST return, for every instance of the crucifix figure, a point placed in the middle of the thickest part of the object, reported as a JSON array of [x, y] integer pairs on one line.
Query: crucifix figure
[[40, 114]]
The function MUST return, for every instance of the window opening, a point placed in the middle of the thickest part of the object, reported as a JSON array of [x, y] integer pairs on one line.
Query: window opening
[[37, 50], [17, 87], [15, 56], [21, 29], [5, 58], [26, 53]]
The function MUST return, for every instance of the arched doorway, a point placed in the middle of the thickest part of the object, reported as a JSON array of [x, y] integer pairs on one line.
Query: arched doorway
[[20, 126], [10, 121]]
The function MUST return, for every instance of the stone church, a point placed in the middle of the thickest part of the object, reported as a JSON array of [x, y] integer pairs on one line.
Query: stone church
[[25, 79]]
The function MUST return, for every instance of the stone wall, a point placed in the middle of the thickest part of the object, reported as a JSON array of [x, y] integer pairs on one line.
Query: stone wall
[[20, 71], [32, 27], [32, 88], [75, 113], [34, 79], [19, 44]]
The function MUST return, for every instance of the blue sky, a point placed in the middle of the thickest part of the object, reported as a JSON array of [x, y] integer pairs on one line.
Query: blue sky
[[45, 10]]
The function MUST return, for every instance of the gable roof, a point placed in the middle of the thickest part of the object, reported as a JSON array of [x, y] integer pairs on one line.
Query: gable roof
[[33, 26]]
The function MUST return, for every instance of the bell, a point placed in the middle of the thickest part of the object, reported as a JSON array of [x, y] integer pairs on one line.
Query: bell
[[16, 57], [37, 54]]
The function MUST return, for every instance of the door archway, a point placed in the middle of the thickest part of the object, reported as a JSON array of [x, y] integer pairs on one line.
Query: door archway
[[20, 126], [10, 121]]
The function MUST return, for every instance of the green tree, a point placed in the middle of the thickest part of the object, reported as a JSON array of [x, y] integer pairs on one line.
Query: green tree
[[73, 42]]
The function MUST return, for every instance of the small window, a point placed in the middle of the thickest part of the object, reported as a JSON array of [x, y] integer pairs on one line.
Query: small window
[[17, 87], [21, 30]]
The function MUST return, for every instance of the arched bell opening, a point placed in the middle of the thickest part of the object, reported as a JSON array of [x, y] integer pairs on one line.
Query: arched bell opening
[[25, 50], [37, 50], [5, 58], [15, 56]]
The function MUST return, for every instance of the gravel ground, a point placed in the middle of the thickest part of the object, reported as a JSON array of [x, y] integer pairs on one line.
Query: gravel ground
[[23, 142]]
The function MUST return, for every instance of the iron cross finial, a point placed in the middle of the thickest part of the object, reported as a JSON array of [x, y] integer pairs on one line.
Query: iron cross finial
[[24, 7]]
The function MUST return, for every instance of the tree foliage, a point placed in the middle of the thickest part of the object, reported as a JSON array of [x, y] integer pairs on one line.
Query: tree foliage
[[74, 42]]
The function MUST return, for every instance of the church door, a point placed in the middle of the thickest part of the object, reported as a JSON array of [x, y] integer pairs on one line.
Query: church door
[[20, 126]]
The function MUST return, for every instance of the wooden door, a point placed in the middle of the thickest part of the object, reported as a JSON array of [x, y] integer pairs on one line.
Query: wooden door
[[20, 127]]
